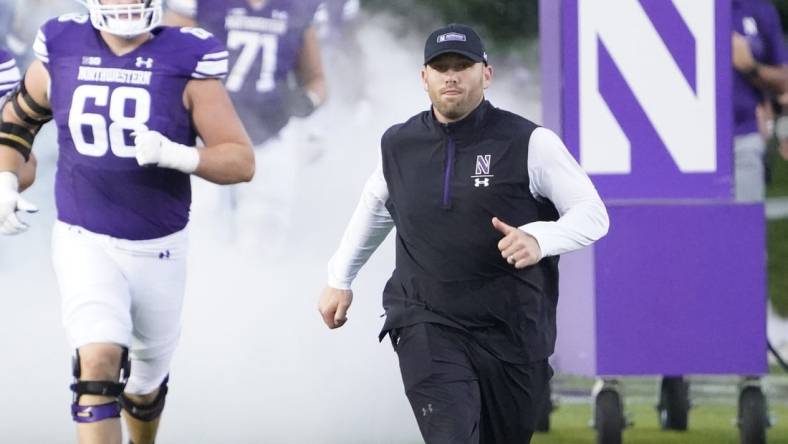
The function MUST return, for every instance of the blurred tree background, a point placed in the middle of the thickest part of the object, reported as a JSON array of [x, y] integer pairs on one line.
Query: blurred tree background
[[782, 7], [503, 23]]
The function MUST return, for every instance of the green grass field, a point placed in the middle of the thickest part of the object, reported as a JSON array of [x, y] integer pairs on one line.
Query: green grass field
[[778, 241], [779, 185], [778, 265], [711, 420], [708, 424]]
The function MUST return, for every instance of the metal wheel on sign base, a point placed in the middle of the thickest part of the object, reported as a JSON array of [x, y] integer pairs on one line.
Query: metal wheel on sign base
[[674, 404], [753, 418], [609, 417]]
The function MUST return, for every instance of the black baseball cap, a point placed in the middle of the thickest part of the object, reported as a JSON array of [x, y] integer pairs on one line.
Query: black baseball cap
[[455, 38]]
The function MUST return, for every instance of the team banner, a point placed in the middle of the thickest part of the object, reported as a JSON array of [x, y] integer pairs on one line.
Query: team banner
[[645, 95]]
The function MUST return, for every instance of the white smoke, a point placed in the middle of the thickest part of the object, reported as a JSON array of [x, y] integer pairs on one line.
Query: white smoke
[[255, 363]]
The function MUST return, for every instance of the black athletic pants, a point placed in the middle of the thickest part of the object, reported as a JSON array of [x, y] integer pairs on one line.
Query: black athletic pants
[[461, 394]]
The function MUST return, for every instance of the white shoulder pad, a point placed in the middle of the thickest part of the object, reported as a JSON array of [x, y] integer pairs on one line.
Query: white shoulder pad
[[40, 47], [212, 66]]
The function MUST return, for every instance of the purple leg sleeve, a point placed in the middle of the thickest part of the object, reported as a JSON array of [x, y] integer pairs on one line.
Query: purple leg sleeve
[[94, 413]]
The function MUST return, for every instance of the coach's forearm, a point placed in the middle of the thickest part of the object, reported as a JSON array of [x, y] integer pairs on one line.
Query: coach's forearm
[[368, 227], [584, 223]]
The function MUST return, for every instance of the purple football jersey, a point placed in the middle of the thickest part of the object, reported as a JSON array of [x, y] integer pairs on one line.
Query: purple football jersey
[[98, 99], [264, 46], [9, 73], [759, 22]]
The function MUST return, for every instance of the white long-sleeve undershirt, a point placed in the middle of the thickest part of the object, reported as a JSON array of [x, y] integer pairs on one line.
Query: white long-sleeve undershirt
[[553, 174]]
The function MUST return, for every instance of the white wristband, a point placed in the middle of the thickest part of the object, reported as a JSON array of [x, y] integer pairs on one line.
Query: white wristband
[[9, 181], [179, 157]]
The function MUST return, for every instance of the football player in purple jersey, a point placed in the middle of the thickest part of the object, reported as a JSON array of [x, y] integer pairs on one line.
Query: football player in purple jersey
[[9, 78], [268, 41], [760, 62], [276, 73], [129, 99]]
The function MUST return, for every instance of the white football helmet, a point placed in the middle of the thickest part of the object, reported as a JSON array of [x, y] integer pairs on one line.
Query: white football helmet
[[125, 20]]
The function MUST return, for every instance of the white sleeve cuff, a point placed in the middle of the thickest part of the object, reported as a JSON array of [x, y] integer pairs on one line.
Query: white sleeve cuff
[[334, 281]]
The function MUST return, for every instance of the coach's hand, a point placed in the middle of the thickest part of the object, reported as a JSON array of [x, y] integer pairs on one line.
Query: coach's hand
[[10, 203], [517, 247], [333, 306]]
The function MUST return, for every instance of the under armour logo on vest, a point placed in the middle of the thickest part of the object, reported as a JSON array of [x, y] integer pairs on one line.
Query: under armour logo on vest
[[478, 181], [147, 63]]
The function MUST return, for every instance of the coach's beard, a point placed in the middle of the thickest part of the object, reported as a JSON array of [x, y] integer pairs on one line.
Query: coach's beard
[[455, 110]]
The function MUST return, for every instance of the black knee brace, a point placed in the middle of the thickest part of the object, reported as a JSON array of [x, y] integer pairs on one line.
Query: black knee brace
[[94, 413], [145, 412]]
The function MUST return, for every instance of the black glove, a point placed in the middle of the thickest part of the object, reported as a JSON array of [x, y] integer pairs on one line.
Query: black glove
[[299, 102]]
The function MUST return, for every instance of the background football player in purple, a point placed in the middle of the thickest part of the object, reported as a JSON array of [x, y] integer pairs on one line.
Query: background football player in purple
[[9, 78], [275, 73], [129, 99], [760, 63], [9, 72]]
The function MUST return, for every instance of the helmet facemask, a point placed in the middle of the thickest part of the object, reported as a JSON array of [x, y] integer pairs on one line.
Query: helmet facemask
[[125, 20]]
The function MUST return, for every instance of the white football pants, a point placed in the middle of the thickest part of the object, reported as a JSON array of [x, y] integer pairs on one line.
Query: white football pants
[[124, 292]]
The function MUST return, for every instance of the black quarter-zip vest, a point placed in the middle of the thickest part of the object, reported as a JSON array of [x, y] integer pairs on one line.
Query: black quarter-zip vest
[[446, 182]]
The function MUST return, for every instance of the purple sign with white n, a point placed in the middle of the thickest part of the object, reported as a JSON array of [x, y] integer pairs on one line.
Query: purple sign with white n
[[646, 91]]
